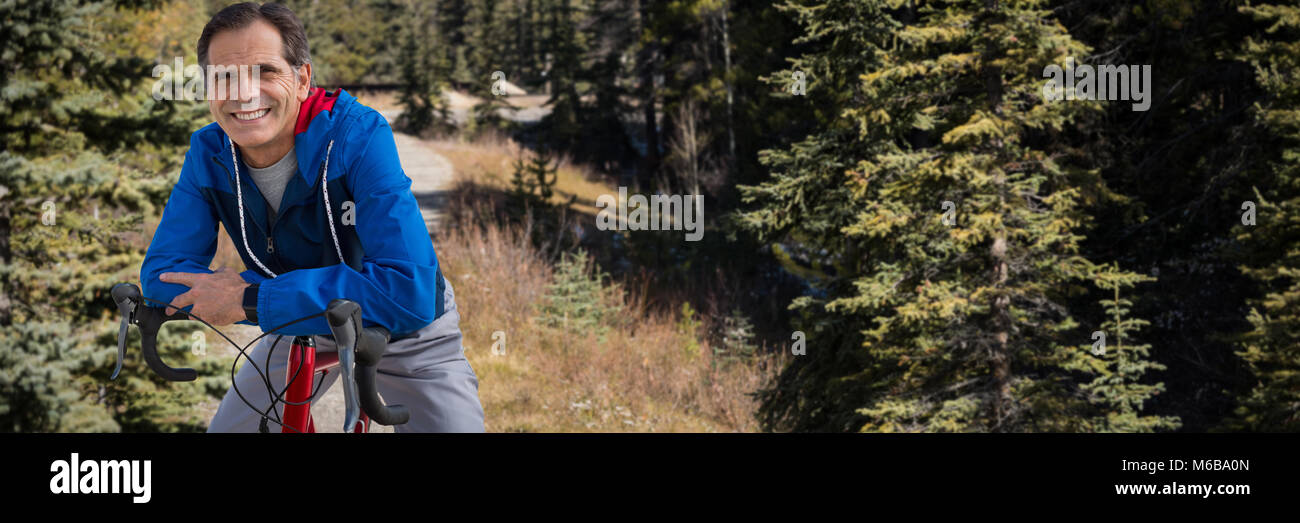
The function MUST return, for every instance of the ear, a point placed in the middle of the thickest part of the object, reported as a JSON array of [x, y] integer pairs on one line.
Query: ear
[[304, 82]]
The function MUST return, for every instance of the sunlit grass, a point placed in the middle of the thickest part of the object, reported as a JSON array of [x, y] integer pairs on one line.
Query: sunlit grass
[[489, 161]]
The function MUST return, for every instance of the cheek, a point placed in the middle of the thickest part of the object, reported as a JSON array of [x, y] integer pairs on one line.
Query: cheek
[[280, 92], [214, 107]]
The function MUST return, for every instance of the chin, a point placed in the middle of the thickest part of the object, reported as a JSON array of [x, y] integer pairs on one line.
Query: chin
[[250, 137]]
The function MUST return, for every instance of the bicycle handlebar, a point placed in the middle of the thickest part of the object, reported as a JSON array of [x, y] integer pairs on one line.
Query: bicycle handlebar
[[149, 319], [343, 316]]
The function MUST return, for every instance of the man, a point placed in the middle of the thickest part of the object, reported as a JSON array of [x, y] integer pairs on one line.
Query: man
[[308, 185]]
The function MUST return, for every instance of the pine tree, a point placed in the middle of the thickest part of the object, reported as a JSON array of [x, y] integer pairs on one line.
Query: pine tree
[[493, 39], [1176, 176], [737, 339], [1120, 364], [533, 182], [425, 74], [1272, 347], [932, 317], [576, 300], [349, 40], [562, 125], [76, 180], [453, 17]]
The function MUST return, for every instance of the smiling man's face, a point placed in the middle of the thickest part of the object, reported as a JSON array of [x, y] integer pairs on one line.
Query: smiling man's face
[[259, 120]]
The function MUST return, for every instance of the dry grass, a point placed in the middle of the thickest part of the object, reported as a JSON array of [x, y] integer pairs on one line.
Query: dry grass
[[646, 375], [385, 100], [642, 377], [489, 161]]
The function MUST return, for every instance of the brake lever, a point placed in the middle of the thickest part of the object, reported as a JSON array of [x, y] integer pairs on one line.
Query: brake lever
[[352, 402], [127, 297], [344, 319], [130, 304], [121, 344]]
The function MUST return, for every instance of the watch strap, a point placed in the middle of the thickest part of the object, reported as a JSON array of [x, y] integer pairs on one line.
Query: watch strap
[[250, 302]]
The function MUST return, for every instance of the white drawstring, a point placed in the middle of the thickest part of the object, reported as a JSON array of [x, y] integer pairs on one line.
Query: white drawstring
[[239, 197], [324, 187]]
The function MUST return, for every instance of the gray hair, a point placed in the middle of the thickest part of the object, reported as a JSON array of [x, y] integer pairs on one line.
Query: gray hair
[[239, 16]]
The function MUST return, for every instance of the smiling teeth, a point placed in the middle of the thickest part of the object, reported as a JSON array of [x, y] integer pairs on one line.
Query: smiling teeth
[[251, 116]]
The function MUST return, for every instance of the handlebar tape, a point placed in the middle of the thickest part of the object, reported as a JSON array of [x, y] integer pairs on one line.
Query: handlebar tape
[[130, 303], [369, 347], [150, 319]]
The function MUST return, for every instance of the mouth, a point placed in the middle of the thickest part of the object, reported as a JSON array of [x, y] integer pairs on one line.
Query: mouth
[[251, 116]]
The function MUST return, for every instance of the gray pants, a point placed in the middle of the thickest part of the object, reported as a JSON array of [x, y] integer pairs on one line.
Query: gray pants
[[428, 373]]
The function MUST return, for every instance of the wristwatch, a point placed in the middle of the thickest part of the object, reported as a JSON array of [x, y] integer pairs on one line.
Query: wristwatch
[[250, 302]]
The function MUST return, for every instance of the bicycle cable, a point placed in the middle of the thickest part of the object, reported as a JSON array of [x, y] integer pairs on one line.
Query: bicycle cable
[[276, 399]]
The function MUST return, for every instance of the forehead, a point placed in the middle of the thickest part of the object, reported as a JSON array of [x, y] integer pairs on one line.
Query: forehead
[[258, 43]]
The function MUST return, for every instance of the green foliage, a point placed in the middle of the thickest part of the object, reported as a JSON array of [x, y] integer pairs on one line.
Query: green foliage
[[425, 71], [737, 340], [39, 387], [86, 154], [967, 327], [533, 182], [1120, 367], [577, 300], [493, 37], [688, 325], [562, 125], [529, 202], [1271, 348], [350, 41]]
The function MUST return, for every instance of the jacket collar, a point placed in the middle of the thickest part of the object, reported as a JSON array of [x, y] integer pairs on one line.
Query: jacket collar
[[315, 128]]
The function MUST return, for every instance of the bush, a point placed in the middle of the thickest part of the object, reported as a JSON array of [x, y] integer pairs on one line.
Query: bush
[[577, 301]]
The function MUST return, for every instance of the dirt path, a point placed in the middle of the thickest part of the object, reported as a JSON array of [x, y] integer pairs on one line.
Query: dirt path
[[430, 173], [431, 176]]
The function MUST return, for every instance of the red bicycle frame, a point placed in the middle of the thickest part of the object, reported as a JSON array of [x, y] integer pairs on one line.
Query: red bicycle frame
[[302, 355]]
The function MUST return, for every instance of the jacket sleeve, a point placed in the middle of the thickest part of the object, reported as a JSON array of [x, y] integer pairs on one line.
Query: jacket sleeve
[[186, 238], [399, 281]]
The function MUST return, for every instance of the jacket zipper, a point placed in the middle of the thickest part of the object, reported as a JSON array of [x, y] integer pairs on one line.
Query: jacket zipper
[[270, 245]]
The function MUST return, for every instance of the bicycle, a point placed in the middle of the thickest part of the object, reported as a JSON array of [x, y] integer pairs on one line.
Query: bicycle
[[357, 355]]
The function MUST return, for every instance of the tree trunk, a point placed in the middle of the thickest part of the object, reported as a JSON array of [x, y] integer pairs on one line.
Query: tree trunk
[[650, 164], [1001, 358], [726, 76]]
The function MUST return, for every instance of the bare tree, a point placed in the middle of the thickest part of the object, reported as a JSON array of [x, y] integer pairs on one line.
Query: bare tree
[[688, 151]]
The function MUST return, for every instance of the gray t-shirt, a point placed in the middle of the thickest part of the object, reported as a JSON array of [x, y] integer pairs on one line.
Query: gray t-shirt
[[273, 179]]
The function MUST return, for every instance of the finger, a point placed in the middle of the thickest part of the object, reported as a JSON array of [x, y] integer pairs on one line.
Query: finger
[[183, 278], [184, 300]]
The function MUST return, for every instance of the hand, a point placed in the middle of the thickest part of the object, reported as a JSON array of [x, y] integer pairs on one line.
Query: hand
[[218, 298]]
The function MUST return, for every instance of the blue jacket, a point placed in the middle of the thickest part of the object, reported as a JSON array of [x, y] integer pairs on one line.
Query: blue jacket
[[390, 267]]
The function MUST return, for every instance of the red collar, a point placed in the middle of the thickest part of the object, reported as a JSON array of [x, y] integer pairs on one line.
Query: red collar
[[318, 100]]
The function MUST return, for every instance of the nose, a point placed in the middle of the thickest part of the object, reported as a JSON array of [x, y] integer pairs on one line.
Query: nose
[[249, 78]]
